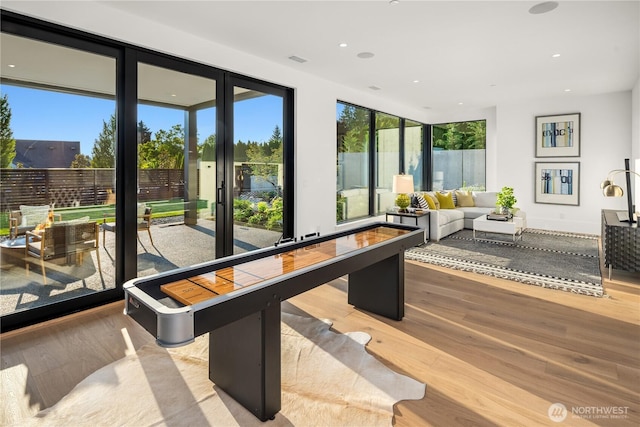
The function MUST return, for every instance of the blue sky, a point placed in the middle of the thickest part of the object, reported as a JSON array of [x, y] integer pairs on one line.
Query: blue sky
[[47, 115]]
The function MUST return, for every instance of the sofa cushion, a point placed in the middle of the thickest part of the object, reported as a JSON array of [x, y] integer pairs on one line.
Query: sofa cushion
[[485, 199], [464, 199], [446, 200], [445, 216]]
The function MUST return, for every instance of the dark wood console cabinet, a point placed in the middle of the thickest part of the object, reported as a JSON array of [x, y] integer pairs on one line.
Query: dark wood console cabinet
[[620, 243]]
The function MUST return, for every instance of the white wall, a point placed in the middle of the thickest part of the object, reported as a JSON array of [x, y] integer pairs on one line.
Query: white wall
[[605, 143], [606, 121]]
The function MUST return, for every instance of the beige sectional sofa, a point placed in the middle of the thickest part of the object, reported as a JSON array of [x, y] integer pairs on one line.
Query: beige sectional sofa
[[443, 221]]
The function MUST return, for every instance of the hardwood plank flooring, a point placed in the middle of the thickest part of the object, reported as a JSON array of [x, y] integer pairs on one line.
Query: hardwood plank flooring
[[492, 352]]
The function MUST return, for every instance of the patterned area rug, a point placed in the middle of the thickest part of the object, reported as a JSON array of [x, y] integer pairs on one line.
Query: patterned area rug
[[564, 261]]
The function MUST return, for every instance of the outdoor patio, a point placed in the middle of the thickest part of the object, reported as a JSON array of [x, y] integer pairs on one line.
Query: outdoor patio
[[174, 245]]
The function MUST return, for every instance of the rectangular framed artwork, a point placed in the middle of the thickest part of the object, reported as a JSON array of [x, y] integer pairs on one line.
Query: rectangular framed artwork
[[558, 183], [558, 136]]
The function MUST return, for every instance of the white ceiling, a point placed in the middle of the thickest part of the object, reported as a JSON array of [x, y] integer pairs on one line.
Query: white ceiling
[[479, 53]]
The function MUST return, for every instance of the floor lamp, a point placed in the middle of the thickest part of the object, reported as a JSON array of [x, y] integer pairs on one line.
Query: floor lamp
[[610, 189]]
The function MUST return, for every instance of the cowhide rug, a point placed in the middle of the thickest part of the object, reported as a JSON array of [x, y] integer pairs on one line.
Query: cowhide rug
[[328, 379]]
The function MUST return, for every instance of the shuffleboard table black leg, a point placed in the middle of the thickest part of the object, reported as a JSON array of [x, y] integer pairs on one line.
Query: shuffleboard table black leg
[[379, 288], [244, 361]]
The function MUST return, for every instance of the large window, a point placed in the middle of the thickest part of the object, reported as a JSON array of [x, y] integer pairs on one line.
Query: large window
[[397, 147], [387, 159], [414, 152], [459, 155], [353, 162]]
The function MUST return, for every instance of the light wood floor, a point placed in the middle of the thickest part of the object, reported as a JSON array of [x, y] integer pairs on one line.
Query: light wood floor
[[492, 352]]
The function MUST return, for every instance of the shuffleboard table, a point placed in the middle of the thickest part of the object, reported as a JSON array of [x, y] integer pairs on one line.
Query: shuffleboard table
[[237, 301]]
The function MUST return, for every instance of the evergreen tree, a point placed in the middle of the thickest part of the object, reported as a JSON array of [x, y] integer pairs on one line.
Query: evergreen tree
[[165, 151], [103, 153], [207, 149], [81, 161], [7, 143], [144, 133]]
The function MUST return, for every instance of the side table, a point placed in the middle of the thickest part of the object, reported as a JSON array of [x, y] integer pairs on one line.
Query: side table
[[415, 215]]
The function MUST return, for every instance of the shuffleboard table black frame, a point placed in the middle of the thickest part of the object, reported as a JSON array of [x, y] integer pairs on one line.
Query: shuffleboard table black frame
[[244, 325]]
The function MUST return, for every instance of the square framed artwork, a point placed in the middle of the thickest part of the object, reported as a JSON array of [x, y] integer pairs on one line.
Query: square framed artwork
[[557, 183], [558, 136]]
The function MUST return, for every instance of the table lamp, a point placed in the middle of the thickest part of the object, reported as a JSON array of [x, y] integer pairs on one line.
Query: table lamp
[[402, 185], [610, 189]]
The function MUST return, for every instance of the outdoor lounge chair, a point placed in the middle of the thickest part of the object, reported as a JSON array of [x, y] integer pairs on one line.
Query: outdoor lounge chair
[[144, 223], [28, 218], [69, 240]]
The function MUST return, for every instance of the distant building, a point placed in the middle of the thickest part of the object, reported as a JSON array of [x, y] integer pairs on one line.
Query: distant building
[[45, 154]]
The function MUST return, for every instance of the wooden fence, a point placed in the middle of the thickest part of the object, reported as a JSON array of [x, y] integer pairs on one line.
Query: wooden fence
[[81, 187]]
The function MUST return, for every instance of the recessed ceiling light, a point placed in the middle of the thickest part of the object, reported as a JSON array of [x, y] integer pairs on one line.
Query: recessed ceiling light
[[567, 90], [543, 7], [11, 66], [416, 81], [460, 103], [297, 59], [555, 55], [366, 55], [342, 45], [173, 95]]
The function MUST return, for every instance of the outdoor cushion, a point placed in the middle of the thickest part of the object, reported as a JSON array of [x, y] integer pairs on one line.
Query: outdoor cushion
[[142, 207], [34, 215]]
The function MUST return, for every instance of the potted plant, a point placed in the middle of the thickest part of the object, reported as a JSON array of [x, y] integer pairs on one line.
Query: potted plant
[[505, 200]]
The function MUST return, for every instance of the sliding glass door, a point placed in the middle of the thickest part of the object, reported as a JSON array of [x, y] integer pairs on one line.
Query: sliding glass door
[[176, 146], [120, 162], [258, 169], [58, 110]]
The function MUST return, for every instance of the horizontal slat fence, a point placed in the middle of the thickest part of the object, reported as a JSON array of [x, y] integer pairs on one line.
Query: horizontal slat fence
[[81, 187]]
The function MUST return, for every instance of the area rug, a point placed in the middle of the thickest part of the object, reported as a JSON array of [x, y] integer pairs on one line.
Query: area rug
[[328, 379], [564, 261]]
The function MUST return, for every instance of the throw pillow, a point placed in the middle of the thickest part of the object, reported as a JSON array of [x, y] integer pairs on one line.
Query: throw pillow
[[422, 203], [465, 199], [446, 200], [485, 199], [432, 202], [453, 196], [433, 197]]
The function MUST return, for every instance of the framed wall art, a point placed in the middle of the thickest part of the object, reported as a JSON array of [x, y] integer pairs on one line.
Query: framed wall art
[[558, 183], [558, 136]]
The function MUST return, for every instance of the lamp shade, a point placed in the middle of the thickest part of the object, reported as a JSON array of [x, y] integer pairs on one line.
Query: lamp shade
[[402, 184]]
